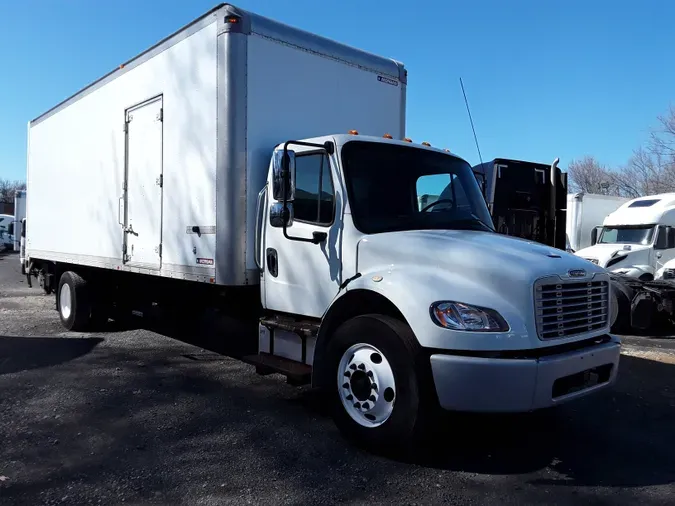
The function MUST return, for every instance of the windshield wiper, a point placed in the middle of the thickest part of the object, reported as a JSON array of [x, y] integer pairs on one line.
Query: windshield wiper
[[475, 220]]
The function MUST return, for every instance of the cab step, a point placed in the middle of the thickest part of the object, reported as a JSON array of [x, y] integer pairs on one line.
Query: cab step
[[304, 328], [296, 373]]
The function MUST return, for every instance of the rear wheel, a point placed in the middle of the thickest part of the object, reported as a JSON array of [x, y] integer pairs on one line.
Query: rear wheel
[[73, 302], [377, 382]]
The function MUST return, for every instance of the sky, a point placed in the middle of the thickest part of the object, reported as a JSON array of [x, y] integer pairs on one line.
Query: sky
[[544, 79]]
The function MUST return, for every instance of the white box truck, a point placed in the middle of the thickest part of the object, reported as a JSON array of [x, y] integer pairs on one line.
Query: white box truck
[[585, 212], [241, 156]]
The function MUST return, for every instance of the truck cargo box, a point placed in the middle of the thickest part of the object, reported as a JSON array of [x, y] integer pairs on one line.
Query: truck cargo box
[[157, 165]]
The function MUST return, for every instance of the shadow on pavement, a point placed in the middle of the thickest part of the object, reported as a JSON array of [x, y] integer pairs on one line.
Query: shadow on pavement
[[622, 438], [147, 422], [24, 353]]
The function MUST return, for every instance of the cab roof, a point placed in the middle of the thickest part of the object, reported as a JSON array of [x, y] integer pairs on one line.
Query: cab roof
[[643, 210]]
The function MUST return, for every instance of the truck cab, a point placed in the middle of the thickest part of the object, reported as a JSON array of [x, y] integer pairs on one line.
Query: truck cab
[[388, 251], [6, 231], [636, 240]]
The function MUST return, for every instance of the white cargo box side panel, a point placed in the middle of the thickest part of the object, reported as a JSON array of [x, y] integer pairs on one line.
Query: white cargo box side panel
[[76, 162], [294, 93]]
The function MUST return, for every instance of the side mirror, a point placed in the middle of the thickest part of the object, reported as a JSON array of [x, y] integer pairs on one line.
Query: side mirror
[[661, 241], [278, 181], [594, 235], [278, 214], [671, 237]]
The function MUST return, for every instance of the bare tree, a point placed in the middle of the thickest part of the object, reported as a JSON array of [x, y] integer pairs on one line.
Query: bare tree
[[8, 188], [651, 169], [590, 176]]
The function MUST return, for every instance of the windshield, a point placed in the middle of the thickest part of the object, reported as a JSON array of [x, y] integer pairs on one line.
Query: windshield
[[393, 187], [642, 234]]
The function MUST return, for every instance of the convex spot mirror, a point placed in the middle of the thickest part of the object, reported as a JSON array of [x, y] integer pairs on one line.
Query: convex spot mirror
[[278, 213]]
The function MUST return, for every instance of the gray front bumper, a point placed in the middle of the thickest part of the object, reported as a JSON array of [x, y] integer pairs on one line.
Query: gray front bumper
[[518, 385]]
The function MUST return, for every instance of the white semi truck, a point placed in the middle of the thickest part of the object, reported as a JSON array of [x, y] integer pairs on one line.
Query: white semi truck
[[636, 243], [240, 160], [586, 212]]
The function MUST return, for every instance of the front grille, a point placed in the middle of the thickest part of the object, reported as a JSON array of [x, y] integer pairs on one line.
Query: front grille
[[567, 309]]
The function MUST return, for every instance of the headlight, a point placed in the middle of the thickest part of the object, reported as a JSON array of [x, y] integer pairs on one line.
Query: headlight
[[460, 316]]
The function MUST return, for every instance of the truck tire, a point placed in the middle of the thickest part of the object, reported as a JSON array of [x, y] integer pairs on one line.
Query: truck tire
[[73, 302], [620, 311], [376, 382]]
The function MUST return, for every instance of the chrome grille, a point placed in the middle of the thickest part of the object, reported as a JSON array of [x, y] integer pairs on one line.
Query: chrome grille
[[567, 309]]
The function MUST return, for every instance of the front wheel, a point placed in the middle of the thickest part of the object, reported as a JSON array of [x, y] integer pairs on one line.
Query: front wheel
[[377, 381]]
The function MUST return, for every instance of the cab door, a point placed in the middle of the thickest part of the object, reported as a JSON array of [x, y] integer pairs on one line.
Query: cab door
[[299, 276]]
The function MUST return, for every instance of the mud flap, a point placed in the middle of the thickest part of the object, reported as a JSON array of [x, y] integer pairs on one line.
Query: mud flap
[[642, 310]]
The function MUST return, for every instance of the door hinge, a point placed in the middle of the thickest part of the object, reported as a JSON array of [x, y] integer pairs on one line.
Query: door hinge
[[158, 250], [160, 181], [126, 127], [160, 115]]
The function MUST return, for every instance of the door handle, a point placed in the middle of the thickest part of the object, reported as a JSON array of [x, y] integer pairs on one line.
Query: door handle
[[319, 237], [272, 261]]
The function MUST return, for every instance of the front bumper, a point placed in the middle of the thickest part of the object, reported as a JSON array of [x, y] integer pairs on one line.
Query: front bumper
[[469, 383]]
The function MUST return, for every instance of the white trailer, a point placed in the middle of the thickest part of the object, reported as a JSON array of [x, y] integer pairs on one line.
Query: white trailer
[[585, 212], [240, 160]]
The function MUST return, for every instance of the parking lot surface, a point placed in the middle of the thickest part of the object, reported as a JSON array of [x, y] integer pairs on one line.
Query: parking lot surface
[[137, 416]]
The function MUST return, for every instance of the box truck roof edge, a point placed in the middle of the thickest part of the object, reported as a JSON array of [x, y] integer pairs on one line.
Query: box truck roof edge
[[247, 22]]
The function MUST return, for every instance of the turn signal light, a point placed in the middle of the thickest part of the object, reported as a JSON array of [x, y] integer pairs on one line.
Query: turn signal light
[[426, 144], [353, 132], [387, 136], [232, 19]]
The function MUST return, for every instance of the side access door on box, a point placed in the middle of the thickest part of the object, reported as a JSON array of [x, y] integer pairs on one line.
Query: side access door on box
[[143, 182]]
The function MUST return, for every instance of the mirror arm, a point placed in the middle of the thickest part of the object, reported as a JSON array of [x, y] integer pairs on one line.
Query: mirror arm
[[329, 147]]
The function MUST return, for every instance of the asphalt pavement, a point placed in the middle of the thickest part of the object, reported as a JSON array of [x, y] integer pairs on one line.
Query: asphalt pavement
[[141, 416]]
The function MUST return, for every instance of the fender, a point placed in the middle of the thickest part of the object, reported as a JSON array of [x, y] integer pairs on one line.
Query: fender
[[413, 288], [407, 291], [635, 271]]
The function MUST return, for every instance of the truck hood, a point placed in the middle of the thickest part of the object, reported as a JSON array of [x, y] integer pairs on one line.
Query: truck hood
[[414, 269], [486, 257], [638, 254]]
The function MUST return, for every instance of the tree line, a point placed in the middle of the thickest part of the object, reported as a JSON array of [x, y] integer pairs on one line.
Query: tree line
[[8, 188], [649, 171]]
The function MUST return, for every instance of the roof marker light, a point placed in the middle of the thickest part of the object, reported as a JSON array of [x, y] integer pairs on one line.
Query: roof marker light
[[387, 136], [353, 132], [407, 139], [425, 143]]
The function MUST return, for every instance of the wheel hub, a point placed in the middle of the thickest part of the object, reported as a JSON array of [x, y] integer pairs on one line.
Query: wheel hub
[[360, 385], [64, 301], [366, 384]]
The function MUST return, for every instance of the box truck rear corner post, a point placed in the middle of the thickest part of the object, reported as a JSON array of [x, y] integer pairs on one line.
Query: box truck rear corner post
[[240, 160]]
